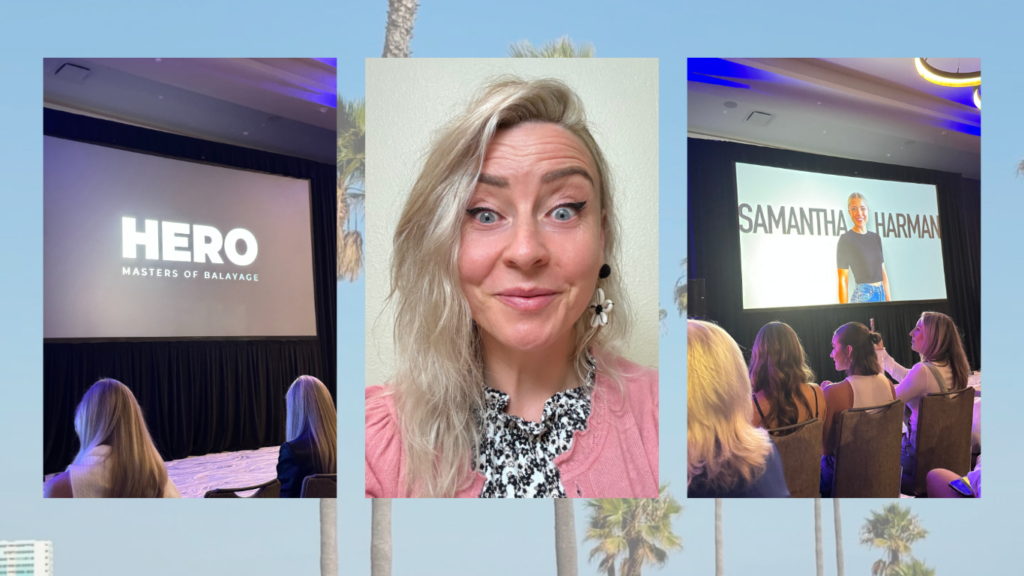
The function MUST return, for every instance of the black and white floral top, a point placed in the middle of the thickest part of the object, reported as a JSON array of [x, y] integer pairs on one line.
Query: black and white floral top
[[517, 457]]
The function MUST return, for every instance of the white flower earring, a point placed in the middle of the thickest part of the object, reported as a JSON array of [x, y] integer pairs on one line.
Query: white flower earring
[[601, 306]]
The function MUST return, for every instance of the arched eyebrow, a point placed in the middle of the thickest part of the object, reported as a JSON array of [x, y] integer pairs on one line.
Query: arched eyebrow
[[547, 178], [564, 172]]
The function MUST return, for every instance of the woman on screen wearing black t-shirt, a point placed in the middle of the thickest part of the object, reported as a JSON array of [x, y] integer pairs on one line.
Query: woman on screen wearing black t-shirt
[[861, 251]]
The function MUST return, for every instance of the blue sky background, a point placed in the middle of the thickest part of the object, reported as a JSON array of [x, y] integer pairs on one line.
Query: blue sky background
[[447, 537]]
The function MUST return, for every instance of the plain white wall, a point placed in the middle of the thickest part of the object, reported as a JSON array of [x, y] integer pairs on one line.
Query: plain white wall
[[409, 100]]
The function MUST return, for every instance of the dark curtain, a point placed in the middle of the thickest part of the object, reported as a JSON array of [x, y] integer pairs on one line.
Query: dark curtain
[[198, 397], [714, 253]]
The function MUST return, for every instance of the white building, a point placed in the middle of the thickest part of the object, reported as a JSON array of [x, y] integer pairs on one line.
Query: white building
[[26, 558]]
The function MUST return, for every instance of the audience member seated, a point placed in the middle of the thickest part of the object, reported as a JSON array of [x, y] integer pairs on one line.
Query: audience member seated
[[781, 379], [312, 430], [727, 457], [853, 350], [943, 368], [117, 458], [940, 483]]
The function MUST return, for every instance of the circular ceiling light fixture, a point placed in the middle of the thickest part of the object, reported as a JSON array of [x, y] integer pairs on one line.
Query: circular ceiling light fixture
[[977, 97], [943, 78]]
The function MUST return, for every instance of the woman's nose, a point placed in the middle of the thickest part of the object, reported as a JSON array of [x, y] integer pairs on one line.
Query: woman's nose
[[527, 248]]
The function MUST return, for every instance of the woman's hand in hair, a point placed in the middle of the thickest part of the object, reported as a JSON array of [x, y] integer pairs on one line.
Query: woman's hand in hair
[[880, 345]]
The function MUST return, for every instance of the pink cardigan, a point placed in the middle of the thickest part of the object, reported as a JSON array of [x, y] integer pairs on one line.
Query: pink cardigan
[[615, 457]]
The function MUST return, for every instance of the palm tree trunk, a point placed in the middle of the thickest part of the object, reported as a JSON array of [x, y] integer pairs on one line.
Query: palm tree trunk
[[840, 568], [719, 554], [565, 537], [398, 35], [380, 538], [328, 537], [819, 558]]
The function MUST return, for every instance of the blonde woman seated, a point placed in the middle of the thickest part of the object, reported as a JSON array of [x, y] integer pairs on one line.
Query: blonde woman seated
[[726, 456], [117, 458], [783, 392], [503, 278], [312, 433], [943, 368], [853, 350]]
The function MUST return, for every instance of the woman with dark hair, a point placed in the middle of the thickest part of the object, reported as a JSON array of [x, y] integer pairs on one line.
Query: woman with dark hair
[[943, 368], [853, 350], [781, 379]]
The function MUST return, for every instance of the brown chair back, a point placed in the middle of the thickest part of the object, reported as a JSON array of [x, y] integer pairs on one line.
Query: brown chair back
[[943, 435], [800, 448], [270, 489], [320, 486], [868, 452]]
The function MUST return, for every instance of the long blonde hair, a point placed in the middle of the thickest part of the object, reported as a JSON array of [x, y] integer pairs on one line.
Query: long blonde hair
[[109, 415], [721, 444], [438, 385], [942, 345], [311, 411]]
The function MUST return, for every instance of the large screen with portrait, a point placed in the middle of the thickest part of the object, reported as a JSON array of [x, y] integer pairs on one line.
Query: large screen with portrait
[[141, 246], [810, 239]]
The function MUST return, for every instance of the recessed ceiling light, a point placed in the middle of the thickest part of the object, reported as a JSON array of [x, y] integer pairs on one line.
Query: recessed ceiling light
[[731, 104], [72, 72]]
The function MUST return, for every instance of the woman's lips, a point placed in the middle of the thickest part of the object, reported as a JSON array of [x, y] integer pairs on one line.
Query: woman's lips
[[526, 301]]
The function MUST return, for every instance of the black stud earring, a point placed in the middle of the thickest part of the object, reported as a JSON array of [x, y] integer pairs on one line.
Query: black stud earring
[[605, 272]]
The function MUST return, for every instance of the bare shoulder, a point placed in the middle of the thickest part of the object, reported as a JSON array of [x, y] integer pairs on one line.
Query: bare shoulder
[[59, 486]]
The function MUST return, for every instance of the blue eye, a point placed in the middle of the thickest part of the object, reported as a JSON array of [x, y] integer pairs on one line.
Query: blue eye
[[563, 213], [486, 217]]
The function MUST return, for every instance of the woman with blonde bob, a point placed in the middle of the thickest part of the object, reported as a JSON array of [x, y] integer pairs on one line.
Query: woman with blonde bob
[[503, 279], [311, 433], [726, 457], [943, 368], [117, 458]]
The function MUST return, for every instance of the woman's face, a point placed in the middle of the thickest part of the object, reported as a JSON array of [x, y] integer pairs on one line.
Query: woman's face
[[840, 354], [858, 212], [917, 337], [532, 239]]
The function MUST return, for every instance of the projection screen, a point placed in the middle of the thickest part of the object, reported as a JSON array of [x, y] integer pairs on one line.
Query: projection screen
[[141, 246], [799, 232]]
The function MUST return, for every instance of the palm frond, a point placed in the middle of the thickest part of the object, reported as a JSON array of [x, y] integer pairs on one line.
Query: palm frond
[[560, 48]]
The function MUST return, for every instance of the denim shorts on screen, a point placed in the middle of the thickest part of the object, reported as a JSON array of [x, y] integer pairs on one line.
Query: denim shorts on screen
[[868, 293]]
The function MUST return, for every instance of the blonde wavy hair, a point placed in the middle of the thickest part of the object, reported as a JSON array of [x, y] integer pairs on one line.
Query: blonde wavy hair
[[109, 415], [438, 385], [311, 411], [721, 444]]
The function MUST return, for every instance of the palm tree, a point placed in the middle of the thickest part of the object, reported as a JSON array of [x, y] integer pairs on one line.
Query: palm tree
[[819, 557], [561, 48], [680, 290], [380, 538], [893, 530], [637, 530], [351, 192], [719, 552], [328, 537], [565, 537], [398, 34], [840, 565], [914, 568]]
